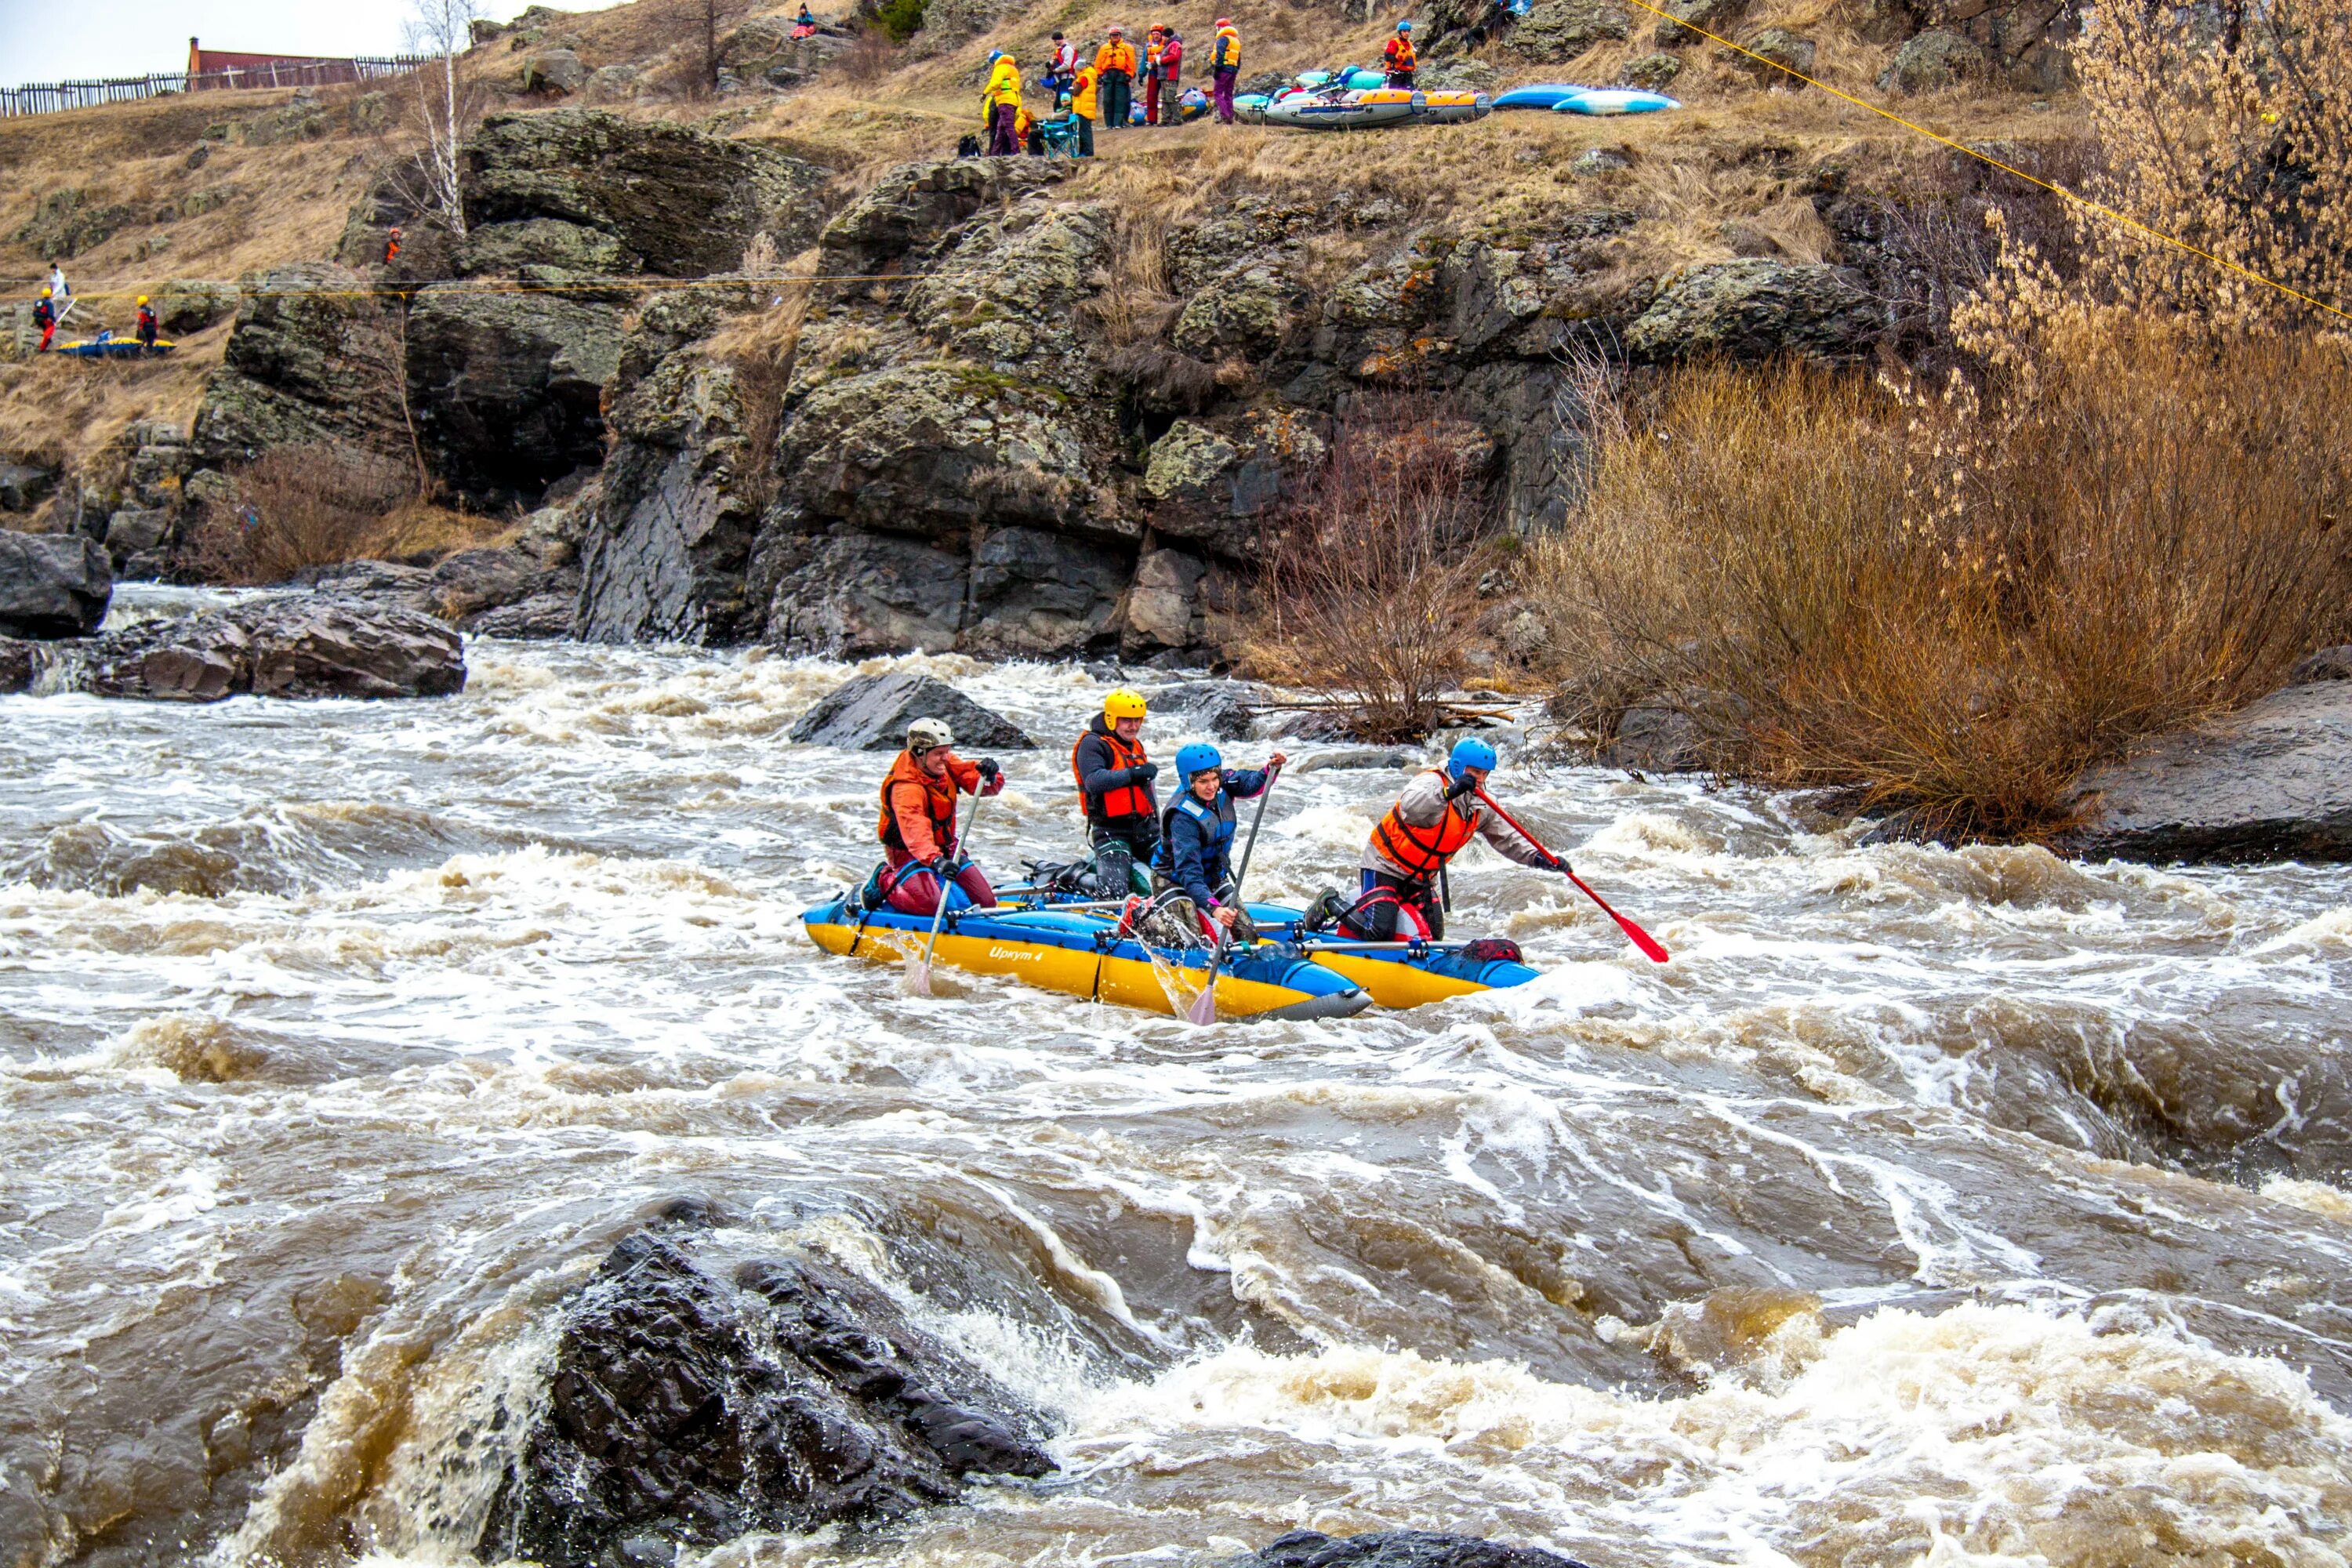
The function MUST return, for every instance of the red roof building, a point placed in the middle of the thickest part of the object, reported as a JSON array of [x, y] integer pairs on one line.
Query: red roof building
[[225, 68]]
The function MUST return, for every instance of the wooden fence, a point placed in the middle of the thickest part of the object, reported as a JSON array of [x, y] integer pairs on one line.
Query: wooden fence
[[51, 97]]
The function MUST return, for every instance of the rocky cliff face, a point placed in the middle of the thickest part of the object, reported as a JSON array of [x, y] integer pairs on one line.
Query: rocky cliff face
[[992, 435]]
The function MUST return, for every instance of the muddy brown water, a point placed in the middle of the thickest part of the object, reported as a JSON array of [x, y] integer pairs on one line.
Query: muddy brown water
[[1958, 1207]]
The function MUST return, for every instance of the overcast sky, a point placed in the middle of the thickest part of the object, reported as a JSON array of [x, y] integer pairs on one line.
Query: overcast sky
[[53, 42]]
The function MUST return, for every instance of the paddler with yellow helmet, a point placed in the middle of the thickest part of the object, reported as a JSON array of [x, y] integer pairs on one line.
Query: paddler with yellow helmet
[[1114, 779]]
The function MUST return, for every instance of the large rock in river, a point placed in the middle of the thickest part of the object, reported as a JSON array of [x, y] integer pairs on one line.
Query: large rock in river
[[52, 585], [687, 1410], [301, 647], [2272, 781], [871, 714], [1399, 1549]]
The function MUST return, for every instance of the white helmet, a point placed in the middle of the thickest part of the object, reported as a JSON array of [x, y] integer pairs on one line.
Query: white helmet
[[929, 734]]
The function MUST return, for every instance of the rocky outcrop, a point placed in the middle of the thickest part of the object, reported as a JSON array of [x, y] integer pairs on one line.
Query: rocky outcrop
[[313, 359], [1933, 60], [292, 648], [2272, 781], [52, 586], [2023, 42], [668, 199], [686, 1410], [1755, 309], [23, 486], [871, 714], [1399, 1549], [192, 304], [507, 389]]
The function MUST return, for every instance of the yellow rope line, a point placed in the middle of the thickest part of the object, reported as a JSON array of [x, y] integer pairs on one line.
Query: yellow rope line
[[2124, 219]]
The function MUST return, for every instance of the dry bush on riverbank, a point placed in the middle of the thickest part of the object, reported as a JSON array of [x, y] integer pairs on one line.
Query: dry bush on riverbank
[[301, 506], [1961, 606], [1372, 587]]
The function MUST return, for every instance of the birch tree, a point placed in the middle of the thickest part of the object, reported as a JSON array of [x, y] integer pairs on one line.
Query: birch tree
[[443, 29]]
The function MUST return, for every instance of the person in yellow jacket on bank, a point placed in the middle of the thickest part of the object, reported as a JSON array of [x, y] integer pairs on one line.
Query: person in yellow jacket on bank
[[1115, 70], [1001, 105], [1224, 64], [1086, 107]]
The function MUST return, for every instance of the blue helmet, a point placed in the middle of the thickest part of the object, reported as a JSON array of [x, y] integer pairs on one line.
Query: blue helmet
[[1404, 26], [1196, 759], [1469, 753]]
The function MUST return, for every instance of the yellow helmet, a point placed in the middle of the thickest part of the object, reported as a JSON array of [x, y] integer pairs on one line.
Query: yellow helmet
[[1125, 703], [45, 293], [142, 298]]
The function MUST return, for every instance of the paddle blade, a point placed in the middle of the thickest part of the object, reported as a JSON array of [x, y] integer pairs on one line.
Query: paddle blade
[[915, 976], [1203, 1010], [1640, 938]]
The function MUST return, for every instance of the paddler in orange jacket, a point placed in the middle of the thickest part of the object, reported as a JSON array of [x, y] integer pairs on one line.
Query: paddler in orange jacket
[[1433, 820], [919, 821]]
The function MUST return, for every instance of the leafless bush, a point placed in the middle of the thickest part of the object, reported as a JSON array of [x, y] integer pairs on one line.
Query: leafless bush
[[1165, 377], [299, 507], [1371, 585], [1964, 603], [871, 56]]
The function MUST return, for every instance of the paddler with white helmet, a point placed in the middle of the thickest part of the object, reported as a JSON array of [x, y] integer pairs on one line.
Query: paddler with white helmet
[[1404, 861], [919, 823], [1115, 789]]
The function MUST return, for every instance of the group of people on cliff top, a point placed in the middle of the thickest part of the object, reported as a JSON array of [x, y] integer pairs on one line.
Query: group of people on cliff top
[[1084, 91], [1172, 864]]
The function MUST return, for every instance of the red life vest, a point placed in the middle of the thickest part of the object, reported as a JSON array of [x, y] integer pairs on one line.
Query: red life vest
[[1126, 800], [1401, 55], [939, 804], [1422, 852]]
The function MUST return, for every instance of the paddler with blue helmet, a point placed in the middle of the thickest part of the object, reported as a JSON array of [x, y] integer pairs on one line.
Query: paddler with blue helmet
[[1196, 838], [1404, 861]]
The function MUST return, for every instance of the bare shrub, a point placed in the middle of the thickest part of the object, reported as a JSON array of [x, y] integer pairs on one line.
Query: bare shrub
[[871, 55], [1963, 604], [1373, 582], [297, 508]]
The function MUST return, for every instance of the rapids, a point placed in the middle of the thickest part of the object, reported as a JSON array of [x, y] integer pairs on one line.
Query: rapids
[[1949, 1206]]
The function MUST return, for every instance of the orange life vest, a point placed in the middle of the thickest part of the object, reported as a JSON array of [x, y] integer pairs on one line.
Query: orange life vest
[[1422, 852], [939, 804], [1126, 800], [1401, 55]]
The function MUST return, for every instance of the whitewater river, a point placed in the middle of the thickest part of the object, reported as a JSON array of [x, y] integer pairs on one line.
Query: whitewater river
[[1965, 1207]]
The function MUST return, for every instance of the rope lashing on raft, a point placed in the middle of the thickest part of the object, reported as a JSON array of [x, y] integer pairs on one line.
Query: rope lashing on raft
[[1989, 161]]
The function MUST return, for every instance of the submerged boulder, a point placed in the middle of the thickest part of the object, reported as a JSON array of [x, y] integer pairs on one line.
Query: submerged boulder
[[687, 1410], [1399, 1549], [871, 714], [52, 585], [2272, 781]]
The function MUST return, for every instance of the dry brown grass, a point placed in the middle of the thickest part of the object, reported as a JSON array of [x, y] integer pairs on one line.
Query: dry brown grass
[[1964, 607], [301, 506]]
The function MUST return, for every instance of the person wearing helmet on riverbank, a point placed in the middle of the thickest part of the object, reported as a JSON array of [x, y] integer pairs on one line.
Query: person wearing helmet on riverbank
[[1115, 66], [146, 324], [1115, 789], [1001, 105], [1224, 67], [919, 823], [1401, 59], [1404, 862], [1194, 862]]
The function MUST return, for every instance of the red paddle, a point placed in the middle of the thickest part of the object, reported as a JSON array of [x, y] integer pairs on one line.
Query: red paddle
[[1641, 939]]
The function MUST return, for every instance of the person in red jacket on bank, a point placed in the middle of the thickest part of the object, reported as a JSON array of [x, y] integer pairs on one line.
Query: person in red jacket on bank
[[919, 823]]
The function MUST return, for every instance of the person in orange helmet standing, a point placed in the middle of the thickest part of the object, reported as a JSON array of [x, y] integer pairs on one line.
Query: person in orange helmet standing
[[1115, 67], [1224, 65]]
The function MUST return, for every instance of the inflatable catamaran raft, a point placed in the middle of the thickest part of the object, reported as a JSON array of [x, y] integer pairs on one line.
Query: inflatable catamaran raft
[[1081, 950]]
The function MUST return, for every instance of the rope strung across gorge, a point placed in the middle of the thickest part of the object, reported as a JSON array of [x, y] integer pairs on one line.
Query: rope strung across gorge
[[1986, 158]]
